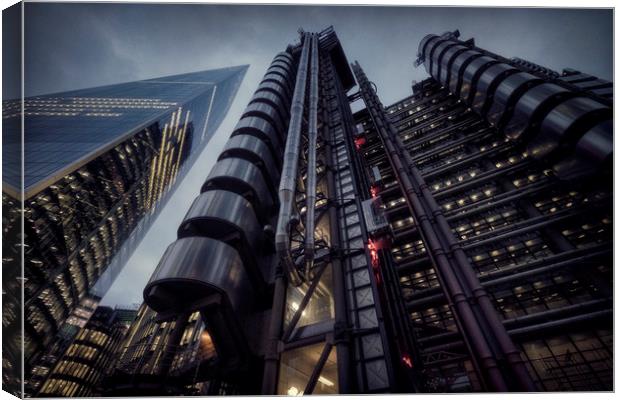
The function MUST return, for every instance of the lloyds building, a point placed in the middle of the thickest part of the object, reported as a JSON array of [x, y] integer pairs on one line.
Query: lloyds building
[[458, 240], [98, 165]]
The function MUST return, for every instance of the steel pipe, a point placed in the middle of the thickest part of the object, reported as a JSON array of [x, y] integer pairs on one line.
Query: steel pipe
[[286, 193], [311, 165]]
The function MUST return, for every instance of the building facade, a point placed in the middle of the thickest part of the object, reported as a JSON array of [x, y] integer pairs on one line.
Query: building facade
[[99, 164], [458, 240], [90, 356]]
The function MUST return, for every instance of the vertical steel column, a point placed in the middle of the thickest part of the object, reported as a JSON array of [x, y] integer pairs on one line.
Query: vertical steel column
[[311, 166], [270, 374], [288, 180], [341, 323]]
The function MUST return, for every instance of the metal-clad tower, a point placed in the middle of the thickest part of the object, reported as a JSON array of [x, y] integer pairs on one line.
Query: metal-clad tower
[[458, 240]]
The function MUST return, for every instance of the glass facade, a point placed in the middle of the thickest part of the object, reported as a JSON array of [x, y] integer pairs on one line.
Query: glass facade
[[99, 164], [90, 356]]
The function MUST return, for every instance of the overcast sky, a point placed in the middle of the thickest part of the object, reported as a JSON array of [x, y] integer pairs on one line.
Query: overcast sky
[[72, 46]]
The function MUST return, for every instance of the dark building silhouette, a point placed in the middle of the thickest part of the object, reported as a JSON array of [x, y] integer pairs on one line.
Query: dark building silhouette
[[458, 240], [99, 164]]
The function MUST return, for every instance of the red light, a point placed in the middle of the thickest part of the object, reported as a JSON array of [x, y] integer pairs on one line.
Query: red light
[[359, 142], [374, 260], [374, 254], [407, 360], [374, 191]]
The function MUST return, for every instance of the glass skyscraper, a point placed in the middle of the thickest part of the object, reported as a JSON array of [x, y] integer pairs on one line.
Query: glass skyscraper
[[98, 165]]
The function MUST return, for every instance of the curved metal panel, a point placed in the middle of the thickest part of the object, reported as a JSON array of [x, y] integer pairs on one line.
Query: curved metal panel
[[528, 106], [456, 71], [445, 63], [277, 89], [264, 130], [268, 112], [278, 78], [244, 178], [230, 218], [592, 152], [277, 69], [268, 97], [507, 93], [428, 52], [282, 64], [424, 42], [487, 83], [561, 126], [193, 269], [437, 55], [255, 151], [471, 74], [286, 56]]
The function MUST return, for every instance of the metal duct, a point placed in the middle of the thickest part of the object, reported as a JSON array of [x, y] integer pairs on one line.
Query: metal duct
[[311, 165], [291, 159]]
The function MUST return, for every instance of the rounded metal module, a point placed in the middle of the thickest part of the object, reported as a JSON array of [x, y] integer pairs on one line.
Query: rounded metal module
[[279, 79], [471, 75], [506, 95], [487, 83], [437, 55], [277, 89], [446, 62], [230, 218], [267, 111], [593, 152], [191, 270], [282, 64], [458, 67], [424, 42], [428, 51], [283, 72], [264, 130], [285, 56], [254, 150], [530, 109], [268, 97], [242, 177], [565, 124]]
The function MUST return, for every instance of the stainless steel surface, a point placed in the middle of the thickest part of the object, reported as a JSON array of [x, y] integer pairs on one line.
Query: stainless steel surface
[[487, 83], [266, 111], [268, 97], [291, 159], [470, 77], [194, 268], [507, 94], [560, 125], [257, 152], [456, 74], [217, 214], [445, 63], [437, 54], [262, 129], [527, 105], [242, 177], [311, 164]]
